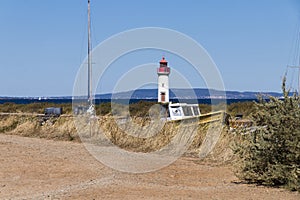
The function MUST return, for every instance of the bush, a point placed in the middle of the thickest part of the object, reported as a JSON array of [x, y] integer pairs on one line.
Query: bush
[[245, 108], [270, 155]]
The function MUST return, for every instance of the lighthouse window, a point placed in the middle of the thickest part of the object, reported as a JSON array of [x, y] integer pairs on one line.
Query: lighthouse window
[[196, 110], [163, 85], [187, 110]]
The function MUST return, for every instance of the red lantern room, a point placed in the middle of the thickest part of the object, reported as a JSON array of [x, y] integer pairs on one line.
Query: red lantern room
[[163, 67]]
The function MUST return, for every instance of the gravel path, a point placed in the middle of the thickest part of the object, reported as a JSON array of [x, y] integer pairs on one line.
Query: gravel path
[[32, 168]]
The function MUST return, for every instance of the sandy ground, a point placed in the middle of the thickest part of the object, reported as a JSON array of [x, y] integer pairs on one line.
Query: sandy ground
[[33, 168]]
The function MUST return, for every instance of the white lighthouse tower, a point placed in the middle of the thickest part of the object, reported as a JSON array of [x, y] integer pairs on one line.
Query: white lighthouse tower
[[163, 81]]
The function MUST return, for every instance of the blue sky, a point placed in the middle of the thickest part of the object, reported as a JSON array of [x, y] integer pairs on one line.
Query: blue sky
[[43, 43]]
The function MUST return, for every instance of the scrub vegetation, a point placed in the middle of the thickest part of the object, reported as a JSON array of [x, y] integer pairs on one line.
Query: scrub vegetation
[[270, 154]]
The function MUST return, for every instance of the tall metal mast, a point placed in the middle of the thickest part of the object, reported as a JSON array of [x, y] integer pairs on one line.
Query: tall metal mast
[[296, 59], [90, 96], [297, 67]]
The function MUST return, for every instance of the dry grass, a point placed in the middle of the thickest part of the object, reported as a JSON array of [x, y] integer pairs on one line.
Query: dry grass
[[56, 129], [222, 152], [147, 138], [140, 136]]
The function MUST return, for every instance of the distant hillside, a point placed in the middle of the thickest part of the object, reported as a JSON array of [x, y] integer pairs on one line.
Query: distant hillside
[[199, 93]]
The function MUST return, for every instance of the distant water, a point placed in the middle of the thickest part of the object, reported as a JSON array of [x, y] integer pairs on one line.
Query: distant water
[[121, 101]]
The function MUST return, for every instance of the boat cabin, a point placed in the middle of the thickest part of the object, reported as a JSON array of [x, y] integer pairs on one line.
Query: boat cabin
[[179, 111]]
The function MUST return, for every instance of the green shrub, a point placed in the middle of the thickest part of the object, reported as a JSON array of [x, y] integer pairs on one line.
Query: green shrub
[[140, 109], [205, 108], [103, 108], [270, 155], [245, 108], [33, 107]]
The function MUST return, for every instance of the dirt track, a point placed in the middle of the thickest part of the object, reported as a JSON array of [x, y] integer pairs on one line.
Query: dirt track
[[43, 169]]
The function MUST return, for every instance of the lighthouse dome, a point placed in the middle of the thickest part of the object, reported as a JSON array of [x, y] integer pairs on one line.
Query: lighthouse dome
[[163, 60]]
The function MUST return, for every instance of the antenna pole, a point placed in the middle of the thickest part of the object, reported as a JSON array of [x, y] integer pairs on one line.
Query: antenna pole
[[299, 81], [297, 67], [90, 97]]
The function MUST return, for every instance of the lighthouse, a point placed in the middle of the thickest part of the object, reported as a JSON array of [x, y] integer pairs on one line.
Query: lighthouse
[[163, 81]]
